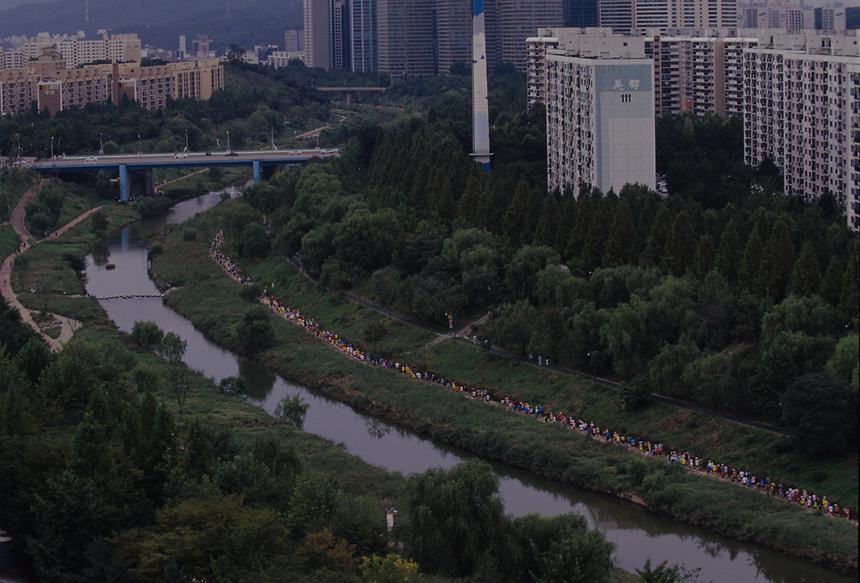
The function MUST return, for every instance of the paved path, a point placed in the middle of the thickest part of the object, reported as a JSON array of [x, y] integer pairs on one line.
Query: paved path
[[68, 326], [464, 336]]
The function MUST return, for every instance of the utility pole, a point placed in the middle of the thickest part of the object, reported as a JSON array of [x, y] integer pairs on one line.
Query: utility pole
[[186, 139], [101, 146], [228, 141], [52, 147], [139, 146]]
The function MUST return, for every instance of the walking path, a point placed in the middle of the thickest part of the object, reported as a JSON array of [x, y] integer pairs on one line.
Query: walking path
[[463, 335], [68, 326], [643, 445]]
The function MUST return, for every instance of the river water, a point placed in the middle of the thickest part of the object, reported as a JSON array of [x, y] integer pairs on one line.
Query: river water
[[638, 535]]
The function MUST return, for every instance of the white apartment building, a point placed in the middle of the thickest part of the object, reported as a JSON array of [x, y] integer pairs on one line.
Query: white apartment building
[[586, 42], [665, 15], [600, 122], [802, 112], [76, 50], [280, 59]]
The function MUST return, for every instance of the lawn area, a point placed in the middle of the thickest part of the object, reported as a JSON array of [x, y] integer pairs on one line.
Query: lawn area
[[214, 304], [13, 185]]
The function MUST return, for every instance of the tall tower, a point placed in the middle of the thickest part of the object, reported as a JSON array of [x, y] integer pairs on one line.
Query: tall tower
[[480, 101]]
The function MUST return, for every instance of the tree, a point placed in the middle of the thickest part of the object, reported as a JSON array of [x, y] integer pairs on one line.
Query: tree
[[850, 285], [254, 243], [98, 223], [843, 365], [255, 332], [777, 261], [831, 282], [655, 246], [821, 414], [524, 267], [806, 276], [147, 335], [680, 247], [749, 276], [179, 379], [560, 549], [704, 258], [33, 358], [622, 237], [292, 410], [662, 573], [457, 519], [729, 252], [172, 348]]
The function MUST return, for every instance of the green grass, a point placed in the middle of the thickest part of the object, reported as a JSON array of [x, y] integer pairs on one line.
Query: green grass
[[13, 185], [8, 242], [213, 303]]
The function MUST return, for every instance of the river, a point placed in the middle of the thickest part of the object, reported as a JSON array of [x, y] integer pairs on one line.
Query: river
[[638, 534]]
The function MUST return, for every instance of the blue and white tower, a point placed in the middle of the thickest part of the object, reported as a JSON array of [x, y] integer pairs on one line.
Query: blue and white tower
[[480, 102]]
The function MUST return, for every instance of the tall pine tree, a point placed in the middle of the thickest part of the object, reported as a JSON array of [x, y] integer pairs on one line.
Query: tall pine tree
[[704, 259], [655, 247], [680, 248], [749, 277], [806, 276], [777, 261], [622, 235], [831, 283], [729, 252]]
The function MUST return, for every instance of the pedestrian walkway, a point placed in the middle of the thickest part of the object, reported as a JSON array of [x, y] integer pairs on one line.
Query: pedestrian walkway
[[644, 445], [68, 326]]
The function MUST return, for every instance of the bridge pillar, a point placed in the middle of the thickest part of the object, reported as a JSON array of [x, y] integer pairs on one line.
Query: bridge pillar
[[124, 185], [258, 174]]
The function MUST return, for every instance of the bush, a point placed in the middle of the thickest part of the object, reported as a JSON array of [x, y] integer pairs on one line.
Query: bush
[[375, 331], [189, 235], [147, 335], [255, 333]]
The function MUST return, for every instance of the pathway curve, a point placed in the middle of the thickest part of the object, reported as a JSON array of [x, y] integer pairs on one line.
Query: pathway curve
[[68, 326]]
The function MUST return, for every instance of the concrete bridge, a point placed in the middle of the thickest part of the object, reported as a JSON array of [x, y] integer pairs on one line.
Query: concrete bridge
[[135, 170]]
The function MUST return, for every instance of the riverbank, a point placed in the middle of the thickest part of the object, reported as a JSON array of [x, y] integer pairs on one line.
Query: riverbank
[[214, 304]]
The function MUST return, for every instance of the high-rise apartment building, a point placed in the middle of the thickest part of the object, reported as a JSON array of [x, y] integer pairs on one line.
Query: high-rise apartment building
[[593, 42], [802, 111], [406, 30], [364, 35], [600, 121], [318, 33], [665, 15], [513, 21], [617, 15], [453, 33], [580, 13], [341, 43], [76, 50], [294, 41], [47, 82]]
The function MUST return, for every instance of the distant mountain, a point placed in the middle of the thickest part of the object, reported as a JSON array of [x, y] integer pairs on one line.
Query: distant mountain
[[244, 22]]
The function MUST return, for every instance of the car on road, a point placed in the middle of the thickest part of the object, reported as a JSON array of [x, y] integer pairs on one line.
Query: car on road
[[91, 159]]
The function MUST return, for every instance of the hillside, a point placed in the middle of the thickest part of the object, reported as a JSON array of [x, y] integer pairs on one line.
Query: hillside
[[245, 22]]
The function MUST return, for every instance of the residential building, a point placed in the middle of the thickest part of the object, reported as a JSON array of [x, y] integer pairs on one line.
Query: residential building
[[513, 21], [341, 43], [589, 42], [666, 15], [294, 41], [617, 15], [50, 84], [600, 122], [318, 34], [280, 59], [802, 111], [364, 36], [453, 33], [580, 13], [76, 50], [406, 36]]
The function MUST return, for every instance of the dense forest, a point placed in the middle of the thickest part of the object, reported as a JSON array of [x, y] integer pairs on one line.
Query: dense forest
[[726, 293], [101, 481]]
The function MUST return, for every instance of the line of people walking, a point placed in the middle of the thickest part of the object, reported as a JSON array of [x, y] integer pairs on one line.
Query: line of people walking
[[641, 444]]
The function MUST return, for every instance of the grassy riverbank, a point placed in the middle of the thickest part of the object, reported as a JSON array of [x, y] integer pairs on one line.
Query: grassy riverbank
[[214, 304]]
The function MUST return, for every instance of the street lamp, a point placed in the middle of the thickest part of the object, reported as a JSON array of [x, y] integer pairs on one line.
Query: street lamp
[[186, 139], [139, 146], [273, 139], [228, 141], [52, 147], [101, 146]]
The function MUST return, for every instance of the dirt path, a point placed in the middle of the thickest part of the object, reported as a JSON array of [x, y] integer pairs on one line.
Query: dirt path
[[68, 326]]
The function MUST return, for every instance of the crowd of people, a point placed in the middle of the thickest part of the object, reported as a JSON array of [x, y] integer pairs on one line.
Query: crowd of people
[[643, 445]]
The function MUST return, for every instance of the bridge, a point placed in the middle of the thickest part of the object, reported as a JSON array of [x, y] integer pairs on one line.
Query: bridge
[[135, 170]]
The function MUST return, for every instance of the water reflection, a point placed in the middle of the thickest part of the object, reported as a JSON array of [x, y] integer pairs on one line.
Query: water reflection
[[638, 535]]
